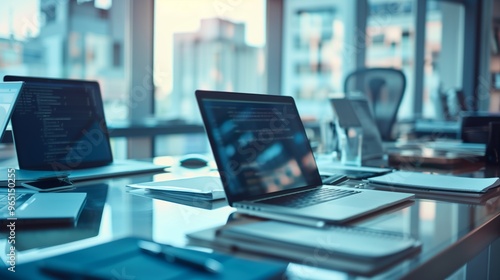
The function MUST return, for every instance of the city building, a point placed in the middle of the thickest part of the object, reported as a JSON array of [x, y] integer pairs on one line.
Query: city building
[[214, 57]]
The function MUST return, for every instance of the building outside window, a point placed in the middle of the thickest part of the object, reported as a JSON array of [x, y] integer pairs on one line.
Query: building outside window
[[221, 45], [391, 43], [211, 45], [443, 90], [68, 39]]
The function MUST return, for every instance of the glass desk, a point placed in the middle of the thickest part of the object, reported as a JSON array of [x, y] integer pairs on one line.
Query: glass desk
[[460, 239]]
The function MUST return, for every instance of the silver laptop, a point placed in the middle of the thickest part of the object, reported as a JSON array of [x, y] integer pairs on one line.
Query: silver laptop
[[267, 166], [28, 208]]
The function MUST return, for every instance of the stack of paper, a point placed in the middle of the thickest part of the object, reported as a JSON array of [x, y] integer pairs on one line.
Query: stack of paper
[[423, 181], [202, 187]]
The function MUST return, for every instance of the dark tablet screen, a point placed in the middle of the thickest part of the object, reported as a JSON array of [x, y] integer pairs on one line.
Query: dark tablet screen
[[59, 124]]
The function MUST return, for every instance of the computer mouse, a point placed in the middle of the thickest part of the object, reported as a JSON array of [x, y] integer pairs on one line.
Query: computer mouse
[[193, 161]]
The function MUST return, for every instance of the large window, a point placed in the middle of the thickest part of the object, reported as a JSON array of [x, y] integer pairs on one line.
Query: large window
[[313, 41], [318, 52], [323, 41], [443, 92], [390, 42], [77, 39], [213, 45]]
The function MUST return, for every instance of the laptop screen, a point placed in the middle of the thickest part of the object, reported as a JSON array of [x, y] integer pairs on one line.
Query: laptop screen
[[9, 93], [355, 111], [258, 142], [59, 124]]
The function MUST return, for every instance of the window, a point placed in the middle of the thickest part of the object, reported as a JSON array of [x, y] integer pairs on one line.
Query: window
[[313, 61], [68, 39], [213, 45], [318, 52], [199, 44], [390, 42], [84, 39], [443, 70]]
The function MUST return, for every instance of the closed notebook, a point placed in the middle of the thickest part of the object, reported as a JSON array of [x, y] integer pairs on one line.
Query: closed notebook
[[431, 182], [201, 187], [123, 259], [352, 249]]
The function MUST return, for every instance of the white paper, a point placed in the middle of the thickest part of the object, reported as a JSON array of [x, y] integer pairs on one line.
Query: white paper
[[436, 182], [193, 185]]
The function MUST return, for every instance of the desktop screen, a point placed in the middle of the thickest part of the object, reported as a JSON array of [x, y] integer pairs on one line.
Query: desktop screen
[[260, 146], [60, 125]]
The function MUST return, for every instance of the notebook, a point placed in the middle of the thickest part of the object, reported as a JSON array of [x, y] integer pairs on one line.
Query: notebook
[[335, 247], [59, 125], [267, 166], [40, 209], [434, 183]]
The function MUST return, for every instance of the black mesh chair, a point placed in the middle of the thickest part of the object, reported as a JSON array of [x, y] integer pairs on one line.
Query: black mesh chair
[[384, 87]]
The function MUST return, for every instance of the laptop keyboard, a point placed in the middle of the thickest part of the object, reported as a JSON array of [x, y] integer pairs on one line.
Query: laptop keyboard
[[4, 200], [308, 198]]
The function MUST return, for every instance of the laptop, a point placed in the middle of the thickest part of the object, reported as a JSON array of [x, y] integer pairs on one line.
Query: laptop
[[267, 166], [354, 111], [28, 208], [59, 126]]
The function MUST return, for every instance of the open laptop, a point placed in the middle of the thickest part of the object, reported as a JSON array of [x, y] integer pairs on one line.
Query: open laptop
[[59, 126], [267, 166], [355, 111], [29, 208]]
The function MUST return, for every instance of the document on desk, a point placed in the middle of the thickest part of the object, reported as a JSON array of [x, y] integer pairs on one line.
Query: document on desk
[[431, 182], [201, 187]]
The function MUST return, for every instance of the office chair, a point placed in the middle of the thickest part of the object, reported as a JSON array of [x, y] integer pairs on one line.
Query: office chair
[[384, 87]]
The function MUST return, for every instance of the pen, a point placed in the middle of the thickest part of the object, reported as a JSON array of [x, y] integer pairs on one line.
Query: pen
[[62, 272], [203, 263]]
